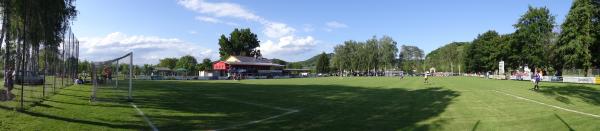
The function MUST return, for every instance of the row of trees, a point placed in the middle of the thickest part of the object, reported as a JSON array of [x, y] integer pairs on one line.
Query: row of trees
[[187, 62], [576, 45], [31, 26], [369, 56], [449, 58]]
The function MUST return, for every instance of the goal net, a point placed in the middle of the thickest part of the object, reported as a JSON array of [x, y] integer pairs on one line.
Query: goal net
[[112, 79]]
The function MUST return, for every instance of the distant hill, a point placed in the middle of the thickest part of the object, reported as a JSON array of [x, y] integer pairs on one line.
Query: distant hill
[[311, 62]]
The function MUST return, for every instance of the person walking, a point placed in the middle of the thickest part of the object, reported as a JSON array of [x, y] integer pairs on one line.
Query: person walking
[[426, 76], [537, 78]]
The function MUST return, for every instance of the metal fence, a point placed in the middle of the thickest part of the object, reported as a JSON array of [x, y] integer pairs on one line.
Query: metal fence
[[581, 72], [33, 70]]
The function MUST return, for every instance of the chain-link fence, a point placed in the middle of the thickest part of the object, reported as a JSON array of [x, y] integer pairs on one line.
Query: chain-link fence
[[35, 70], [581, 72]]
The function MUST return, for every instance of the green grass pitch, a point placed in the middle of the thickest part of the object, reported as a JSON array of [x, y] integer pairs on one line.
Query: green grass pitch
[[333, 103]]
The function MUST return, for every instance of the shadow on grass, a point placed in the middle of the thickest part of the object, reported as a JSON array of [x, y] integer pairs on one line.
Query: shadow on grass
[[562, 93], [187, 105], [60, 118], [563, 121]]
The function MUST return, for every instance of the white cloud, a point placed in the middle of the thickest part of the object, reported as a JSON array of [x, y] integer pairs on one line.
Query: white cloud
[[276, 30], [208, 19], [286, 42], [288, 45], [335, 24], [308, 28], [222, 9], [146, 49], [193, 32]]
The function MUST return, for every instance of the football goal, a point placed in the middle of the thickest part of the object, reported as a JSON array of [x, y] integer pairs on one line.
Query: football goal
[[112, 78]]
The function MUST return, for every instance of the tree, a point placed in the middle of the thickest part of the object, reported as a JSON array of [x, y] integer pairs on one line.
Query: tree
[[388, 50], [323, 63], [373, 55], [533, 34], [188, 63], [577, 39], [170, 63], [294, 65], [147, 69], [596, 22], [205, 65], [448, 58], [481, 54], [29, 25], [241, 42], [411, 58]]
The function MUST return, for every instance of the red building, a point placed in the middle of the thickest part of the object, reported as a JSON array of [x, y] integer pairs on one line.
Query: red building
[[248, 67]]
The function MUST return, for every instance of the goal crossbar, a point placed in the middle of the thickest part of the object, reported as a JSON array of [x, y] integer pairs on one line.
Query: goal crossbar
[[100, 64]]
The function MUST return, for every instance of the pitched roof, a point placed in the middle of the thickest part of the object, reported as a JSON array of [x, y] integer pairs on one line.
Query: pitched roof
[[251, 59], [245, 60], [162, 69]]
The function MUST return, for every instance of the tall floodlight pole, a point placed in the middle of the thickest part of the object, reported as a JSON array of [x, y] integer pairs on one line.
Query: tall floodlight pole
[[130, 73]]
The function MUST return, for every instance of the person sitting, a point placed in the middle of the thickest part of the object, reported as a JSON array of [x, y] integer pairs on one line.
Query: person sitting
[[79, 81]]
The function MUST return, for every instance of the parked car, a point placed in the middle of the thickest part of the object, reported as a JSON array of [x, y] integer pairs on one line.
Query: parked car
[[28, 77]]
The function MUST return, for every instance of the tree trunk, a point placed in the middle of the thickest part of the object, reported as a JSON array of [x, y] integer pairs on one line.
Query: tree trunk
[[8, 65]]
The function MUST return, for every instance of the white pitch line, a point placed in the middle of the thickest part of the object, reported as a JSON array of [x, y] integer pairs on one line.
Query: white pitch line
[[557, 107], [254, 104], [144, 116], [257, 121], [289, 111]]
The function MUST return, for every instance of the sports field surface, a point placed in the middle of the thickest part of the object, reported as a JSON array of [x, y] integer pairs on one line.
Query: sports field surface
[[333, 103]]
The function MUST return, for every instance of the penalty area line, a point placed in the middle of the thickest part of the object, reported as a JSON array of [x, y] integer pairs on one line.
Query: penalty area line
[[553, 106], [144, 116], [288, 112]]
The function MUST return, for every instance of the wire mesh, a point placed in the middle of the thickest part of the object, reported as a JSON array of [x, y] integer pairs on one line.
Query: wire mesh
[[112, 79], [34, 70]]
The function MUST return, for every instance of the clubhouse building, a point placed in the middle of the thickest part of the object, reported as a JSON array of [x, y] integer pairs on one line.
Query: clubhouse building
[[248, 67]]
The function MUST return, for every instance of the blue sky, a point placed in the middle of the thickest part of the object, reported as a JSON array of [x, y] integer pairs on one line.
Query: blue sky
[[289, 30]]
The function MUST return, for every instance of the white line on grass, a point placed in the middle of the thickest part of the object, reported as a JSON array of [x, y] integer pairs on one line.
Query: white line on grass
[[288, 110], [144, 116], [557, 107]]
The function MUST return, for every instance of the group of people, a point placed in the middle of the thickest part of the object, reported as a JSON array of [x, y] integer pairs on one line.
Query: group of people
[[537, 78]]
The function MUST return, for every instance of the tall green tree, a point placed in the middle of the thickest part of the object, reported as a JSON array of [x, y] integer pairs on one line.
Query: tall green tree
[[322, 65], [533, 34], [481, 54], [411, 59], [388, 49], [206, 65], [576, 42], [30, 25], [188, 63], [147, 69], [241, 42], [170, 63], [448, 58], [596, 22], [340, 59]]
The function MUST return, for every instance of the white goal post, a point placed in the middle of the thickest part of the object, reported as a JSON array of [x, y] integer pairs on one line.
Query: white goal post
[[102, 74]]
